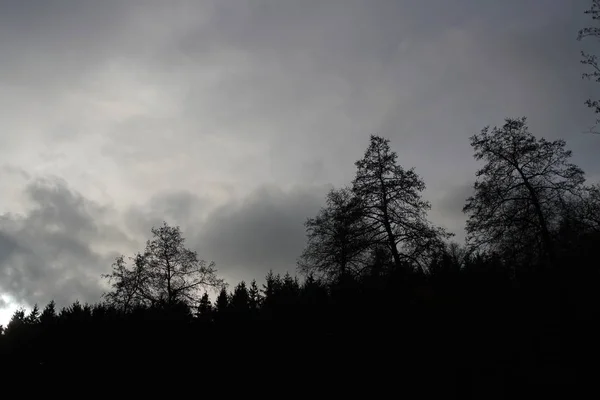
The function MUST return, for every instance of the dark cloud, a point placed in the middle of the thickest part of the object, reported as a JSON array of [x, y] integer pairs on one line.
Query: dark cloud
[[7, 247], [263, 231], [246, 237], [58, 249]]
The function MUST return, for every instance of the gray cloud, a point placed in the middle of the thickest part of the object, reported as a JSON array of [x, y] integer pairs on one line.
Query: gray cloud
[[263, 231], [7, 247], [337, 71], [447, 208], [208, 114], [181, 208], [452, 203], [246, 237], [58, 249], [43, 40]]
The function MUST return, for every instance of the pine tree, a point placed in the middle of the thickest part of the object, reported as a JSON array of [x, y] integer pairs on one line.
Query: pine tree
[[240, 299], [254, 297], [34, 315], [271, 289], [205, 308], [222, 302], [16, 323], [49, 313]]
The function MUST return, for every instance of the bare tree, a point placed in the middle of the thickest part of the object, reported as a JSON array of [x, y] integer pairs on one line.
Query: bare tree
[[394, 208], [130, 285], [590, 59], [337, 238], [166, 272], [520, 191], [584, 210], [591, 207]]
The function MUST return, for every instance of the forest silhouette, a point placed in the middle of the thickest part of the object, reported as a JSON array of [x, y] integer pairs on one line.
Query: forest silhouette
[[384, 297]]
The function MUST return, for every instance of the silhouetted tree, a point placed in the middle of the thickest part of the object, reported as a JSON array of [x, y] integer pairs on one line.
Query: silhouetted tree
[[337, 238], [290, 287], [380, 260], [76, 312], [34, 315], [222, 302], [579, 231], [17, 321], [591, 59], [240, 299], [450, 261], [166, 272], [49, 313], [520, 191], [584, 209], [271, 288], [254, 297], [205, 308], [393, 207]]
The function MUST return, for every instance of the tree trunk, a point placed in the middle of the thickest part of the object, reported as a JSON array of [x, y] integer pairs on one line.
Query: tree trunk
[[169, 291], [386, 222], [546, 239], [392, 243]]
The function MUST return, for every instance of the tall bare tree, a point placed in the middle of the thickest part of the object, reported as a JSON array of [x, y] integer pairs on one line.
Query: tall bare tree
[[393, 206], [520, 191], [336, 238], [166, 272]]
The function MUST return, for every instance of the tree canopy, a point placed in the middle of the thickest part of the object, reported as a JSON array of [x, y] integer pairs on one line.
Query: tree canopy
[[393, 206], [337, 238], [166, 272]]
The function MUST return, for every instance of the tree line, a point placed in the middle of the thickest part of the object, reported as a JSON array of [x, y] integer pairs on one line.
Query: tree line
[[376, 275]]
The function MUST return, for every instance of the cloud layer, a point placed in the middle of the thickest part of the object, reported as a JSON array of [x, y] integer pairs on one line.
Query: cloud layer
[[233, 118]]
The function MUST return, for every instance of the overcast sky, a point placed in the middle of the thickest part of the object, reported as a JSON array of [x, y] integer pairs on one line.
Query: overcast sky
[[233, 118]]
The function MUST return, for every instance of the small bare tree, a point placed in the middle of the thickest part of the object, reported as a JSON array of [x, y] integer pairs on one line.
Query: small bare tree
[[166, 272]]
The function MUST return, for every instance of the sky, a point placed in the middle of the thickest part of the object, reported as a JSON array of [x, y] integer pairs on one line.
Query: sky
[[233, 118]]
